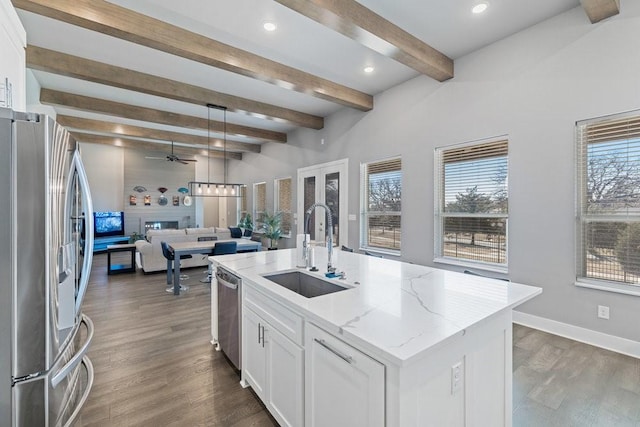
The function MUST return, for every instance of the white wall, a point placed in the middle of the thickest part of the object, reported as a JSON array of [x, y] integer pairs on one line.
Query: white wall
[[104, 165], [533, 87], [33, 97], [13, 41]]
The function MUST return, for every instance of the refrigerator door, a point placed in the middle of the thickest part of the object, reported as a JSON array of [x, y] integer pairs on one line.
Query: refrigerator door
[[53, 265], [30, 240], [7, 263], [55, 399]]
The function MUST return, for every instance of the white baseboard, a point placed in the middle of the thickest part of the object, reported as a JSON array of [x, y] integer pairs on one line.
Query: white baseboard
[[576, 333]]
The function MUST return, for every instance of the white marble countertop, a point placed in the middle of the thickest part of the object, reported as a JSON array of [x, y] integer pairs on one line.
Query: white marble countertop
[[395, 310]]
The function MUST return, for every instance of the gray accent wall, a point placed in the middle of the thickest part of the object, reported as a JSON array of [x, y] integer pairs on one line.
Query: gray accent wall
[[104, 165], [153, 174], [113, 172], [532, 87]]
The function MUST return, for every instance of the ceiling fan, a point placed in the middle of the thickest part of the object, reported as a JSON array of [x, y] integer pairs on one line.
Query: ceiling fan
[[172, 158]]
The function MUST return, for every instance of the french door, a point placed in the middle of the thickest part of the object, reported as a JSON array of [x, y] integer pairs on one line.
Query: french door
[[325, 183]]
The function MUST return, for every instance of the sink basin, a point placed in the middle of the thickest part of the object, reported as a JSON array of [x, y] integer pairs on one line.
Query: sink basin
[[304, 284]]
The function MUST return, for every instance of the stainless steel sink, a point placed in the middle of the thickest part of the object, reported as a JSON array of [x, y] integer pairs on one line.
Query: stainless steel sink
[[304, 284]]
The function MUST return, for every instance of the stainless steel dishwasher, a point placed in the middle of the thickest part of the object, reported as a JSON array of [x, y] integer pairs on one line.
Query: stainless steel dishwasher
[[229, 314]]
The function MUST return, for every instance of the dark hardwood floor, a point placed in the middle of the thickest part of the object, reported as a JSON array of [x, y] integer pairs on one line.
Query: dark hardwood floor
[[154, 366]]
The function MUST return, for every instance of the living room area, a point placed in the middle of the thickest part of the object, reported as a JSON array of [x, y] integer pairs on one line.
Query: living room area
[[151, 200]]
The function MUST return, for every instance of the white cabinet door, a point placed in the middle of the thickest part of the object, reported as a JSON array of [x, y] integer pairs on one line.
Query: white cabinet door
[[285, 378], [273, 365], [254, 361], [344, 387]]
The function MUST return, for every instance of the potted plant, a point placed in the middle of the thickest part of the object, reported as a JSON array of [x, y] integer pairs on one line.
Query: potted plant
[[246, 223], [135, 237], [272, 228]]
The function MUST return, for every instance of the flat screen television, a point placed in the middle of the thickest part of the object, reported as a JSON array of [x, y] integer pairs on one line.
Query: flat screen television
[[107, 224]]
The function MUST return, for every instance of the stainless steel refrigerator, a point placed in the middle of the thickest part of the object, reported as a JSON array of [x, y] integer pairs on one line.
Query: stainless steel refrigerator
[[45, 208]]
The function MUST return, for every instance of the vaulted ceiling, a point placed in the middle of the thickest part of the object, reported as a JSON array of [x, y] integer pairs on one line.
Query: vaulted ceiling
[[140, 73]]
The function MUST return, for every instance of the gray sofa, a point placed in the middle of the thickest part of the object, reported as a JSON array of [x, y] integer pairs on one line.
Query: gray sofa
[[150, 256]]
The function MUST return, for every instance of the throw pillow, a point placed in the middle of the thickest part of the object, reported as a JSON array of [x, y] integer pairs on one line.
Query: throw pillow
[[236, 233], [248, 233]]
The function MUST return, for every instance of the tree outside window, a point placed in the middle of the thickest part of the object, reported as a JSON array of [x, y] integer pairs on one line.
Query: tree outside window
[[609, 199], [472, 201], [283, 204], [259, 203], [381, 204]]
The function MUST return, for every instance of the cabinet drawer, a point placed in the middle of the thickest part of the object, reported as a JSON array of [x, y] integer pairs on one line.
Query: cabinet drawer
[[284, 320]]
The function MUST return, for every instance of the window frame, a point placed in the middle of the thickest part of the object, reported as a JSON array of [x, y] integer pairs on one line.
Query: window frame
[[440, 214], [257, 220], [583, 217], [242, 206], [276, 203], [365, 213]]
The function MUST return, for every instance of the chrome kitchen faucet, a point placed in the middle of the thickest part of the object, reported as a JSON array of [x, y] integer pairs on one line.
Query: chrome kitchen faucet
[[305, 246]]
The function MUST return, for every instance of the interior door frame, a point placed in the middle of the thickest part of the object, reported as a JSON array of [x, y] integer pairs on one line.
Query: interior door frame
[[320, 171]]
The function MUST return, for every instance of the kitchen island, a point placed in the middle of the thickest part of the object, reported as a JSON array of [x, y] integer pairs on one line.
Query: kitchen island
[[403, 345]]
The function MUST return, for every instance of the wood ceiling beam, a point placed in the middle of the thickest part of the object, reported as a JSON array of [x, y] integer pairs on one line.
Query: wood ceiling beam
[[99, 126], [96, 105], [147, 145], [117, 21], [355, 21], [597, 10], [50, 61]]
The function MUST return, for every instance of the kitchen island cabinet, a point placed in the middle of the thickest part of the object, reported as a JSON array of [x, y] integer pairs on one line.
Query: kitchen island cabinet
[[441, 339], [272, 364], [343, 385]]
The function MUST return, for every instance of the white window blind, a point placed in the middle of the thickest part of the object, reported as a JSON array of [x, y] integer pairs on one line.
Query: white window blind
[[242, 203], [259, 203], [381, 189], [472, 202], [608, 187], [283, 204]]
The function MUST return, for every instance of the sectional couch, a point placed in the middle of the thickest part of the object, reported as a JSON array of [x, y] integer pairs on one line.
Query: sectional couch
[[150, 256]]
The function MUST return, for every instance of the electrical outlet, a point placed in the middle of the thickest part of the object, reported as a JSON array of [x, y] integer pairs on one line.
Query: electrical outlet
[[603, 312], [456, 378]]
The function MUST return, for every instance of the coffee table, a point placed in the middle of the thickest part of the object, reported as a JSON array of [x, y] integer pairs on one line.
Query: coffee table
[[121, 268]]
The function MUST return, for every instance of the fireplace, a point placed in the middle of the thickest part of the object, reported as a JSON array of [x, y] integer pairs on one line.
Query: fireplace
[[159, 225]]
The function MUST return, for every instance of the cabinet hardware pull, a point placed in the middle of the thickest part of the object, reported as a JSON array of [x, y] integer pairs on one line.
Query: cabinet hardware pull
[[341, 355], [262, 336], [258, 333]]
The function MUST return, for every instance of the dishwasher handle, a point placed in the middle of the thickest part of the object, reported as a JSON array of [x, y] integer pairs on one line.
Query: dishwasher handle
[[229, 285]]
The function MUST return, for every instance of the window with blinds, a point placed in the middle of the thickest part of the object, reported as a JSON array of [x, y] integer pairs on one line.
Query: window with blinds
[[472, 202], [608, 190], [259, 203], [242, 202], [381, 213], [282, 204]]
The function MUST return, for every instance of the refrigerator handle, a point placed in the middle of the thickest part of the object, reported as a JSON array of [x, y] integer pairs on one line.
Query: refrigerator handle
[[89, 367], [87, 205], [77, 358]]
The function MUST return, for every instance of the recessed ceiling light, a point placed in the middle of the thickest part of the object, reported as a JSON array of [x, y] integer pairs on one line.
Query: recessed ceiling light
[[270, 26], [480, 7], [368, 69]]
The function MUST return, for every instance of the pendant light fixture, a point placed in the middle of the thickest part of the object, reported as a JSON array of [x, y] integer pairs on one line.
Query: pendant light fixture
[[212, 189]]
